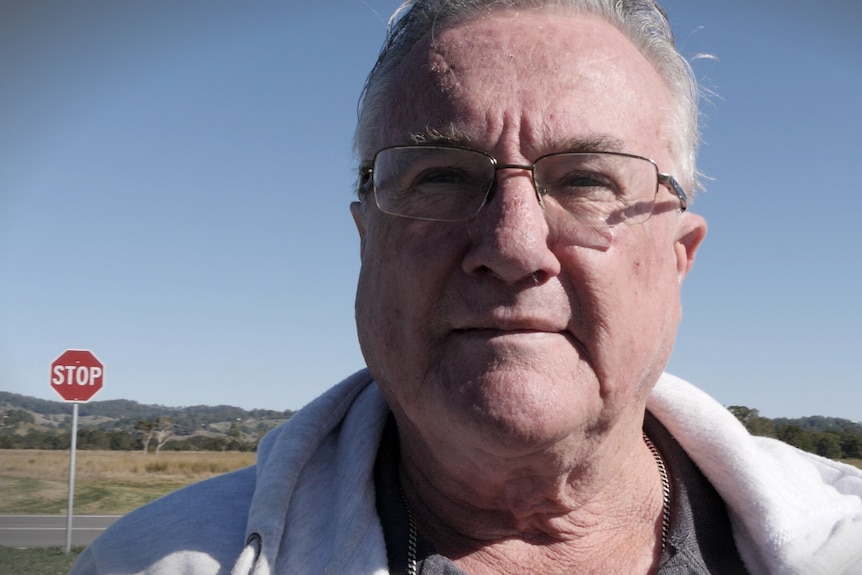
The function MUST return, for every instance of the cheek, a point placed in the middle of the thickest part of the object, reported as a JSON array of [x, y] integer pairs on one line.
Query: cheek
[[656, 279], [651, 292], [653, 297], [410, 258], [378, 305], [652, 264], [406, 265], [627, 299]]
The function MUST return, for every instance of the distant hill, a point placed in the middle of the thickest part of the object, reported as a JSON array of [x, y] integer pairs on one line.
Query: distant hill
[[820, 423], [830, 437], [124, 424]]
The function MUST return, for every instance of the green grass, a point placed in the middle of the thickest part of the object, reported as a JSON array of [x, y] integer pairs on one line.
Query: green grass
[[37, 561]]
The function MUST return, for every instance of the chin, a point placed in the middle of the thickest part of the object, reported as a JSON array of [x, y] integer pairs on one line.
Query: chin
[[523, 410]]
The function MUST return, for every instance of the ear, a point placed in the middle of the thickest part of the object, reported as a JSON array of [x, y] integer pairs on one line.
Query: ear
[[357, 210], [690, 233]]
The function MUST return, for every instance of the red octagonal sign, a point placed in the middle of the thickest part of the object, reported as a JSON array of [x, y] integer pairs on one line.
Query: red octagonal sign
[[77, 375]]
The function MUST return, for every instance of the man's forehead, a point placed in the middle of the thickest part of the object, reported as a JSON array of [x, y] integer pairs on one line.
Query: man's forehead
[[553, 31], [545, 80], [496, 27]]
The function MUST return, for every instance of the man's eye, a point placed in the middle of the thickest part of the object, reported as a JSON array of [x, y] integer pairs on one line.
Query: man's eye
[[580, 180], [583, 184], [441, 176]]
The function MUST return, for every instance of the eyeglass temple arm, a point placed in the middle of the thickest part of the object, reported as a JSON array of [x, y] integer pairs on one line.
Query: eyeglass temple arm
[[671, 184]]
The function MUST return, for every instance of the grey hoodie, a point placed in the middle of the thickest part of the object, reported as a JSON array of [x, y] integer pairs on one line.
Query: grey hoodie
[[308, 505]]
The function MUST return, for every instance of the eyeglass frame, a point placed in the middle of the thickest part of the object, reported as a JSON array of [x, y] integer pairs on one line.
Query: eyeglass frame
[[366, 172]]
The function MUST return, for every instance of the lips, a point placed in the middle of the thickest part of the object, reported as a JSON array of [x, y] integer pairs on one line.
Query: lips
[[492, 333], [494, 310], [505, 325], [512, 324]]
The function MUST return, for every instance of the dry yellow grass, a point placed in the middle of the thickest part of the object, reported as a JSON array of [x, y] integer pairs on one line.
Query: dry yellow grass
[[189, 465], [36, 481]]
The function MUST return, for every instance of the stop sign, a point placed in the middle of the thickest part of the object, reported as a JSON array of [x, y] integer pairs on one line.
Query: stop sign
[[77, 375]]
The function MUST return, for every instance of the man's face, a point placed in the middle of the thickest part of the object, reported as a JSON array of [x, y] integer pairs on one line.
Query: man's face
[[500, 329]]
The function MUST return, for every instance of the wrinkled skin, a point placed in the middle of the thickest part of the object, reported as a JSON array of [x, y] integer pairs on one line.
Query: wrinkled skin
[[503, 347]]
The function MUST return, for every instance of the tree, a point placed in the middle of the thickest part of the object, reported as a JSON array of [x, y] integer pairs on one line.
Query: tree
[[742, 413], [761, 426], [827, 445], [795, 436], [93, 439], [161, 429], [753, 422], [13, 417], [164, 429], [147, 430], [851, 446], [235, 431], [121, 440]]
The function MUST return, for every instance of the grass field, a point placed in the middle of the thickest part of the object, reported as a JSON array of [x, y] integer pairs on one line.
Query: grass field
[[106, 482], [38, 561]]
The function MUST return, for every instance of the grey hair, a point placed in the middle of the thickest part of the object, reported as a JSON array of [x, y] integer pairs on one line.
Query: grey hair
[[643, 22]]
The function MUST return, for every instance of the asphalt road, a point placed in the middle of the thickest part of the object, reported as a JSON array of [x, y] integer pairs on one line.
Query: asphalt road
[[50, 530]]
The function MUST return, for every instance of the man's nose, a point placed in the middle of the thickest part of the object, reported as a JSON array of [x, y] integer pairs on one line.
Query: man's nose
[[510, 237]]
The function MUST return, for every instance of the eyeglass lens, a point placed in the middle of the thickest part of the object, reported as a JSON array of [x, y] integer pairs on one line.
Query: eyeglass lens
[[451, 184]]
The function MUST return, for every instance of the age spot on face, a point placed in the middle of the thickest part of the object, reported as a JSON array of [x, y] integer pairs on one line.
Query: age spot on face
[[447, 78]]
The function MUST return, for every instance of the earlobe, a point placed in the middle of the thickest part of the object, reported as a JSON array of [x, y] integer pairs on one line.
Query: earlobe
[[358, 213], [692, 231]]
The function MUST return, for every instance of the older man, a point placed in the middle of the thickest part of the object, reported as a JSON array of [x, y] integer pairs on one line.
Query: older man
[[526, 169]]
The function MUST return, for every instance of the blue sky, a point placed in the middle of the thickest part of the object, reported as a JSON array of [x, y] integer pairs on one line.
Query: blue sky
[[175, 176]]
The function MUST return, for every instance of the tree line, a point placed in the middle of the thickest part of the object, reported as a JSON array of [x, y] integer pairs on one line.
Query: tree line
[[149, 436], [830, 437], [19, 429]]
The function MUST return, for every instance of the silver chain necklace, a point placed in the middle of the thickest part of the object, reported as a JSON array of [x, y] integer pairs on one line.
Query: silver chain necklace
[[412, 536], [665, 491]]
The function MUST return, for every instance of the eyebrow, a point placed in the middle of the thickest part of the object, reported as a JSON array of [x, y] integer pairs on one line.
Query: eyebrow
[[450, 135], [454, 136], [593, 143]]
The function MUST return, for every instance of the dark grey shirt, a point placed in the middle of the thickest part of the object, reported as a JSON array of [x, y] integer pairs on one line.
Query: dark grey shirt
[[700, 540]]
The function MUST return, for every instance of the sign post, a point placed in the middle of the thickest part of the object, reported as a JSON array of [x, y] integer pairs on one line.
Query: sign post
[[77, 376]]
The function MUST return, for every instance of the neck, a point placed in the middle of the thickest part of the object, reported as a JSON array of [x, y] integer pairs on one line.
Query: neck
[[586, 505]]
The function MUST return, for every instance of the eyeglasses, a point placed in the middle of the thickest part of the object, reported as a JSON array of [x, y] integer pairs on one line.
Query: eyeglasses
[[447, 184]]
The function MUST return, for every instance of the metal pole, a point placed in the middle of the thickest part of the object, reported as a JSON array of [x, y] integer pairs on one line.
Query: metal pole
[[71, 477]]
